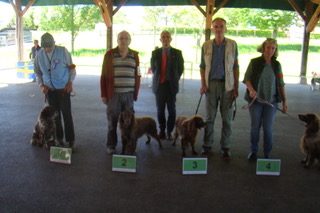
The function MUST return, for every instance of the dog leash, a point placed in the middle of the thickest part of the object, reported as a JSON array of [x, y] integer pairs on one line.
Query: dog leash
[[270, 104], [234, 108], [199, 104]]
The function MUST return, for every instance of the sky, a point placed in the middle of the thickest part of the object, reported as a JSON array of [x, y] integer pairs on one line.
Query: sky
[[6, 13]]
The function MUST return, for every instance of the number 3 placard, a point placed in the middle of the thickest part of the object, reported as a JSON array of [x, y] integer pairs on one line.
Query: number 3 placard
[[124, 163], [194, 166], [268, 167]]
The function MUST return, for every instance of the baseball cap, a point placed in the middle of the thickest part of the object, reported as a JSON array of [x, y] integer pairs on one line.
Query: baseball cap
[[47, 40]]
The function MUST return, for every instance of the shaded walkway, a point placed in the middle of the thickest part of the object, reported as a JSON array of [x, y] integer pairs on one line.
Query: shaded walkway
[[30, 183]]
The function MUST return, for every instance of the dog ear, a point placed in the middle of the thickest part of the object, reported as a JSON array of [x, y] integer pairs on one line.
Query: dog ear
[[191, 124], [312, 124]]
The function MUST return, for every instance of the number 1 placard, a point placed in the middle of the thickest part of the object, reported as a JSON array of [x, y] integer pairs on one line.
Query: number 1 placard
[[60, 155], [194, 166], [124, 163], [268, 167]]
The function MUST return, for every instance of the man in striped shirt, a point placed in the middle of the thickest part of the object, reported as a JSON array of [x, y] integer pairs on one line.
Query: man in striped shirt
[[119, 84]]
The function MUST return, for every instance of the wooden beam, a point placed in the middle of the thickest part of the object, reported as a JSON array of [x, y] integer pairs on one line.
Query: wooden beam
[[314, 20], [296, 8], [30, 3], [219, 7], [104, 12], [198, 6], [123, 2]]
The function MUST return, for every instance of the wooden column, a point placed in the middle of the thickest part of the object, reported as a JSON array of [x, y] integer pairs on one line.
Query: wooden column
[[17, 6], [209, 14], [110, 28], [305, 44]]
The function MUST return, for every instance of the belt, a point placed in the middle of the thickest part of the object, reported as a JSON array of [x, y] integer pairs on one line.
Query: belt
[[218, 80], [57, 89]]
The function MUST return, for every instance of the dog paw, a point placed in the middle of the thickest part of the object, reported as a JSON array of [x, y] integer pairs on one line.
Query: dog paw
[[45, 146], [303, 161]]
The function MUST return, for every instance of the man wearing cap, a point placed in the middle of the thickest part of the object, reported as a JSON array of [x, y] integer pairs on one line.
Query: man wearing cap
[[55, 74]]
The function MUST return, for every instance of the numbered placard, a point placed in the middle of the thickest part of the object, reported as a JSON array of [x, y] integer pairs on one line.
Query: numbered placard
[[268, 167], [60, 155], [194, 166], [124, 163]]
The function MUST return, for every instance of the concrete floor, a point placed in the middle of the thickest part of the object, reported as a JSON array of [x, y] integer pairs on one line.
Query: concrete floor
[[30, 183]]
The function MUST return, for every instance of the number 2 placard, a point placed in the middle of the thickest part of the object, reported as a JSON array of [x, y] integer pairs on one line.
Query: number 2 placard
[[268, 167], [124, 163], [194, 166]]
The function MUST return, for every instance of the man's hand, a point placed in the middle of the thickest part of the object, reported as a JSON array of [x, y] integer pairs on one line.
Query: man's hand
[[203, 89], [104, 100], [44, 89], [68, 88], [234, 94]]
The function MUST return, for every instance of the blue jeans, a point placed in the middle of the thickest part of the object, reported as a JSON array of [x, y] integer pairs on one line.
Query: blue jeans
[[262, 114], [216, 93]]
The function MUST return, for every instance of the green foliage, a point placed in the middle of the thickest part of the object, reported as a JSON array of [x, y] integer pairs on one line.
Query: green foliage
[[255, 33], [270, 19], [69, 18], [243, 49], [29, 21], [95, 52], [153, 15]]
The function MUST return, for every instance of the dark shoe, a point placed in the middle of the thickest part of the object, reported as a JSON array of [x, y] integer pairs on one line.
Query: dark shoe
[[169, 136], [266, 156], [252, 157], [111, 150], [205, 151], [162, 135], [225, 154], [73, 146]]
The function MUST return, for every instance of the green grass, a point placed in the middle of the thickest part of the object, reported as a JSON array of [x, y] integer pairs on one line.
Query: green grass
[[243, 49]]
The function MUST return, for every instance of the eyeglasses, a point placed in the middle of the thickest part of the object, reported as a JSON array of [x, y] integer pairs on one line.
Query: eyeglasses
[[124, 38]]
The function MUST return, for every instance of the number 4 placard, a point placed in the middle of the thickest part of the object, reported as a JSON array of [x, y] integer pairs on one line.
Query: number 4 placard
[[124, 163], [268, 167], [194, 166]]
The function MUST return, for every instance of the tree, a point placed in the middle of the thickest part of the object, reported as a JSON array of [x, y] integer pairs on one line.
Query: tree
[[270, 19], [154, 15], [70, 18]]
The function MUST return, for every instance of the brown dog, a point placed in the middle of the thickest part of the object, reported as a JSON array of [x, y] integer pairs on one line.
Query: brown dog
[[310, 141], [132, 128], [187, 129], [44, 133]]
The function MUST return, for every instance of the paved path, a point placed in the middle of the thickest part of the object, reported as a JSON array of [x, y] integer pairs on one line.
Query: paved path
[[30, 183]]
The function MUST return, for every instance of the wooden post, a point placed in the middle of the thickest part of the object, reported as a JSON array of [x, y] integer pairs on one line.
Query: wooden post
[[209, 13], [19, 30], [305, 44], [110, 28]]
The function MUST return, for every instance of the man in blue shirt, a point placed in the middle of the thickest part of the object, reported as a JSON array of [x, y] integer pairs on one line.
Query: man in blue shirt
[[56, 73]]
